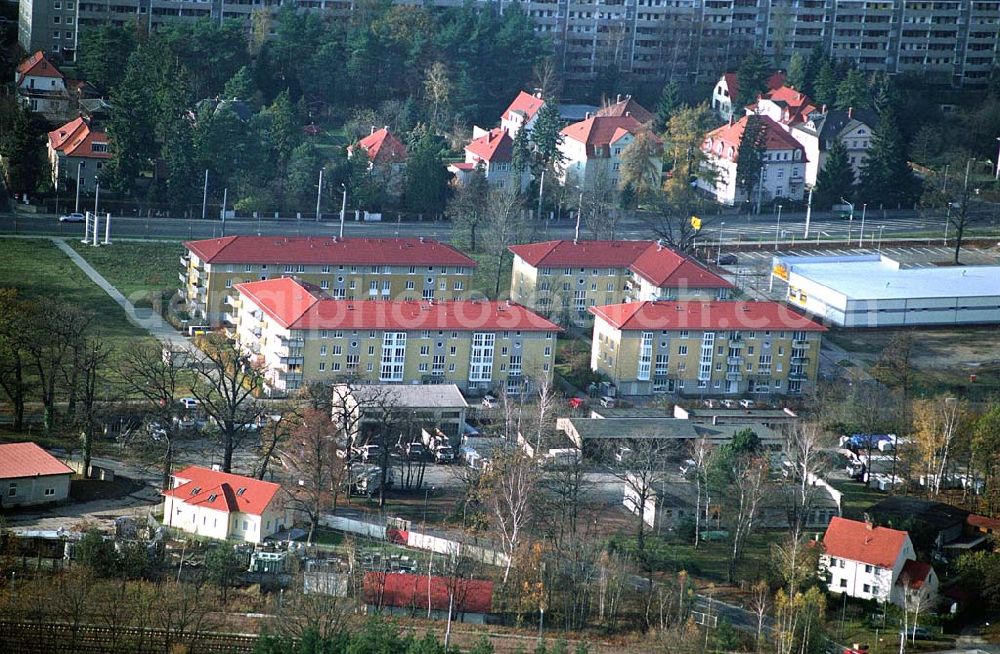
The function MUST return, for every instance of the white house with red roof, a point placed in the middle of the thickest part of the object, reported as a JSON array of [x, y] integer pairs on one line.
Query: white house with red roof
[[386, 156], [215, 504], [41, 86], [572, 276], [592, 150], [865, 561], [782, 174], [300, 334], [727, 89], [521, 113], [29, 475], [492, 152], [77, 148], [626, 105]]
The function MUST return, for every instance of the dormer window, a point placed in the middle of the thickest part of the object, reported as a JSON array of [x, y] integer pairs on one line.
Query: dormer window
[[99, 147], [212, 497]]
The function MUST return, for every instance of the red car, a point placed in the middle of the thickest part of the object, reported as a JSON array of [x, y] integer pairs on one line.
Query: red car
[[577, 402]]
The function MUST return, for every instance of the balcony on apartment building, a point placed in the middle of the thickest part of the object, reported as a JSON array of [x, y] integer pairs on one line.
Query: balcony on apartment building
[[734, 376]]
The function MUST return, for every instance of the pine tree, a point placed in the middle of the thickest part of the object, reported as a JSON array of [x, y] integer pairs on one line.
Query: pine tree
[[836, 179], [668, 104], [21, 146], [751, 77], [522, 152], [853, 91], [750, 155], [547, 134], [826, 84], [797, 77], [886, 178], [426, 181], [240, 86]]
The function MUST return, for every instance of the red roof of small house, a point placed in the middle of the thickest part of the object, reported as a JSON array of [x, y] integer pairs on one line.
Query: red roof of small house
[[665, 267], [463, 165], [525, 104], [383, 147], [29, 460], [328, 250], [983, 523], [796, 105], [495, 145], [697, 315], [295, 306], [860, 541], [776, 80], [77, 139], [403, 590], [626, 107], [222, 491], [599, 131], [37, 65], [724, 142], [915, 573]]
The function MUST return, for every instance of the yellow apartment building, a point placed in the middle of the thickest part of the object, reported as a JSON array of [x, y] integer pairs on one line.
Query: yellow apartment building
[[349, 269], [564, 279], [706, 348], [301, 334]]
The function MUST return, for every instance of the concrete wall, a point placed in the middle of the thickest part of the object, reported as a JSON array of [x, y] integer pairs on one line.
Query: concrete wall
[[26, 491]]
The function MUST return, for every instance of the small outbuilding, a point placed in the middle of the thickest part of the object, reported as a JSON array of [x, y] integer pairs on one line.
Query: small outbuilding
[[29, 475]]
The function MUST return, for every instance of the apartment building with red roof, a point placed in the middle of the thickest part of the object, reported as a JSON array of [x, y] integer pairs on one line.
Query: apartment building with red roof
[[866, 562], [75, 149], [300, 334], [491, 152], [705, 348], [782, 173], [29, 476], [565, 278], [727, 91], [592, 149], [215, 504], [351, 268], [521, 113]]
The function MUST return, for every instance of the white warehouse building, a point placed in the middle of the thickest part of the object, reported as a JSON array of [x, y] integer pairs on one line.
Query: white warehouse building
[[872, 290]]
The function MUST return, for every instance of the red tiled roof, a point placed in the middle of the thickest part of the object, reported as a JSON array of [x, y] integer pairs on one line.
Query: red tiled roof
[[402, 590], [627, 107], [725, 141], [328, 250], [29, 460], [776, 80], [602, 130], [222, 491], [749, 316], [665, 267], [526, 104], [797, 104], [77, 139], [383, 147], [982, 522], [855, 541], [495, 145], [294, 306], [463, 165], [37, 65], [914, 572]]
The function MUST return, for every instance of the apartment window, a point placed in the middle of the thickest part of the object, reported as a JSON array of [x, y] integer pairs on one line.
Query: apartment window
[[371, 350], [843, 583], [481, 359], [324, 333], [49, 492], [682, 350], [325, 269], [412, 270], [867, 588], [684, 334], [352, 361], [337, 350], [229, 283], [324, 284], [393, 356], [437, 364], [548, 351], [459, 285], [322, 350], [289, 268], [12, 489], [370, 367], [868, 568], [425, 350], [338, 333], [645, 356], [322, 366], [453, 350], [422, 367]]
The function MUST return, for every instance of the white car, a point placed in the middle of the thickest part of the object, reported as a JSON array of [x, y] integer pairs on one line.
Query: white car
[[188, 403], [489, 402], [747, 404], [72, 218]]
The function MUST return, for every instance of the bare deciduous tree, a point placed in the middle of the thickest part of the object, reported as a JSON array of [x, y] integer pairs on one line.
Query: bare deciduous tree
[[90, 362], [512, 479], [315, 470], [805, 446], [701, 454], [642, 471], [749, 474], [937, 424]]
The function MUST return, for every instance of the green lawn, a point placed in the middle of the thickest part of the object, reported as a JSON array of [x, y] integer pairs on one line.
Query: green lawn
[[136, 268], [857, 497]]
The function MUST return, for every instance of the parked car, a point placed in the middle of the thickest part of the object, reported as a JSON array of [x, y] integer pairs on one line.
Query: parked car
[[72, 218], [728, 404], [577, 403], [607, 402], [444, 454], [371, 452], [917, 633], [415, 451], [189, 403], [728, 259], [470, 431], [489, 402], [747, 404]]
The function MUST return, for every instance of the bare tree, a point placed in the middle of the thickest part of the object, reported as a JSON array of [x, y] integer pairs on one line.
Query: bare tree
[[273, 434], [437, 89], [759, 605], [914, 596], [937, 423], [642, 470], [90, 362], [805, 446], [568, 490], [227, 384], [16, 319], [749, 475], [512, 479], [315, 470], [504, 213], [701, 454], [51, 346]]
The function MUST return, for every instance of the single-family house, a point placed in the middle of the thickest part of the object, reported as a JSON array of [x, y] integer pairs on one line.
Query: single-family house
[[492, 152], [521, 113], [726, 91], [784, 105], [215, 504], [868, 562], [77, 151], [41, 86], [386, 156], [402, 593], [29, 475], [592, 150], [821, 128], [783, 167], [625, 105]]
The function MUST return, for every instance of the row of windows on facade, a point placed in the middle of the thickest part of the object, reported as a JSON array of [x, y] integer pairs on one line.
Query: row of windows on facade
[[424, 334], [425, 350], [663, 384], [373, 286], [663, 363], [732, 335], [437, 368], [247, 526], [12, 490], [327, 269]]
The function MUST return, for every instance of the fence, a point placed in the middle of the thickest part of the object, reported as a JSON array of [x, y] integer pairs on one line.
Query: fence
[[53, 637]]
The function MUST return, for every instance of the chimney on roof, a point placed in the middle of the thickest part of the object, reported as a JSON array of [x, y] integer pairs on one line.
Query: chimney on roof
[[372, 131], [385, 127], [850, 111], [730, 120], [421, 239], [628, 113], [538, 93], [823, 110], [618, 98], [586, 116]]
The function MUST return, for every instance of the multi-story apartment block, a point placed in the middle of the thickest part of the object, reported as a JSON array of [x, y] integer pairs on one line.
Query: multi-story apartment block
[[592, 150], [300, 335], [350, 269], [566, 278], [705, 348], [783, 173], [521, 113], [953, 40]]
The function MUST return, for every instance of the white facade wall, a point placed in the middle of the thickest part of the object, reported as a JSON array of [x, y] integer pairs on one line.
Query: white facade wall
[[221, 525], [26, 491], [784, 177], [722, 100], [865, 581]]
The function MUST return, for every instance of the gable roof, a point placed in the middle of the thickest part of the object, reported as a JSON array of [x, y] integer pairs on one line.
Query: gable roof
[[29, 460], [858, 541], [404, 590], [383, 147], [626, 107], [830, 124], [796, 105], [776, 80], [495, 145], [602, 130], [673, 316], [914, 572], [293, 305], [222, 491], [665, 267], [328, 250], [37, 65], [77, 139], [524, 104], [724, 142]]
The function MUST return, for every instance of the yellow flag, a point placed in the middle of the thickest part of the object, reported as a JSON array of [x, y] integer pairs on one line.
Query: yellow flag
[[696, 222]]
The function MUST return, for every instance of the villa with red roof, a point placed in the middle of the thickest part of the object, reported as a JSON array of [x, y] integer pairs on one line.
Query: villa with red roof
[[626, 106], [41, 86], [492, 152], [784, 163], [592, 149], [29, 475], [352, 268], [705, 348], [300, 334], [569, 277], [215, 504], [77, 148], [386, 157], [869, 562], [521, 113], [727, 90]]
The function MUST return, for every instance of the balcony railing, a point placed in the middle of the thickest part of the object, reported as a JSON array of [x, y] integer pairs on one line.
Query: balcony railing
[[797, 376], [185, 261], [183, 278], [800, 360], [801, 343], [290, 361], [734, 360], [734, 376]]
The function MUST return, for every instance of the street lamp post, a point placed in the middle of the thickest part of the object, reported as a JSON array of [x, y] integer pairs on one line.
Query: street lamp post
[[880, 228], [850, 219], [79, 179], [777, 229], [996, 177], [864, 207], [343, 209], [722, 231], [319, 195], [97, 193], [204, 197]]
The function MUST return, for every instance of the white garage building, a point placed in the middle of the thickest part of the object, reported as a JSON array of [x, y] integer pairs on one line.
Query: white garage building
[[872, 290]]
